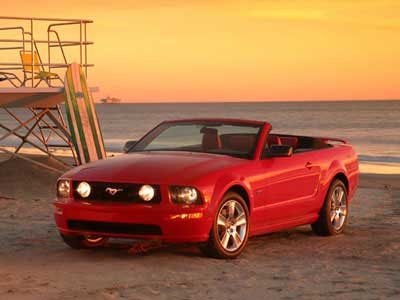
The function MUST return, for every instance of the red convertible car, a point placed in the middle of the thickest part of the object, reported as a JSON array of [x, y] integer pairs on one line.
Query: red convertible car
[[214, 182]]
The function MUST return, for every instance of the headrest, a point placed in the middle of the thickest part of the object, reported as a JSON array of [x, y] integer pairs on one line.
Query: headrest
[[273, 140], [208, 130], [211, 139], [289, 140], [241, 142]]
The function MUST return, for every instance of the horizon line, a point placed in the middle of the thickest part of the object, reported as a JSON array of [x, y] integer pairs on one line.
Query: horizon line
[[246, 101]]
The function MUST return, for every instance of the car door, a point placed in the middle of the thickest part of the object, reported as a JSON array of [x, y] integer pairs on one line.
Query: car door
[[288, 187]]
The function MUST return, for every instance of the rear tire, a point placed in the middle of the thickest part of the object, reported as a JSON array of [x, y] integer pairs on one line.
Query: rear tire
[[230, 230], [84, 242], [333, 215]]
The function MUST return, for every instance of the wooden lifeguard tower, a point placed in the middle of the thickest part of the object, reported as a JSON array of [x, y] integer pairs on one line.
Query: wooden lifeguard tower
[[33, 59]]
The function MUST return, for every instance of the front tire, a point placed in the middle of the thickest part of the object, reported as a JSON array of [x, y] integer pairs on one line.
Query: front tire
[[84, 242], [333, 215], [230, 230]]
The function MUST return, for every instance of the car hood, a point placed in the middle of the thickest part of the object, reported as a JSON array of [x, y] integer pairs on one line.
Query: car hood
[[161, 167]]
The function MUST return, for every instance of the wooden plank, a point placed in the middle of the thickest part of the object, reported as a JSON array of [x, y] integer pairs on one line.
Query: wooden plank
[[24, 97]]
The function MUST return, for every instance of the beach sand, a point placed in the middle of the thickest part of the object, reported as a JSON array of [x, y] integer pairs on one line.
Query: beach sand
[[363, 263]]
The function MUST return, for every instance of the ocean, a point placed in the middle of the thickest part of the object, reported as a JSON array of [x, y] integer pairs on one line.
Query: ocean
[[372, 127]]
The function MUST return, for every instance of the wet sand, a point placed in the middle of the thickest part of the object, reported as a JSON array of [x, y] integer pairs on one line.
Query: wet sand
[[363, 263]]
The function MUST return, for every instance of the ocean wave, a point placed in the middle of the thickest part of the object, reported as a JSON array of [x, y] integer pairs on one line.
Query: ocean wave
[[381, 159], [116, 145]]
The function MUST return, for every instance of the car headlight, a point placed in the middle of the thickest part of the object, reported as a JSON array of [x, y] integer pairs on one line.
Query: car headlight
[[146, 192], [63, 189], [184, 195], [84, 189]]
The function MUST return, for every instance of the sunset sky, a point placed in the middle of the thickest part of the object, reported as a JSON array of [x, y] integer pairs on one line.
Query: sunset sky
[[151, 51]]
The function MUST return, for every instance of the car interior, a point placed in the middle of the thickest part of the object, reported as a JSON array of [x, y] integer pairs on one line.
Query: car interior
[[298, 143], [245, 143], [240, 142]]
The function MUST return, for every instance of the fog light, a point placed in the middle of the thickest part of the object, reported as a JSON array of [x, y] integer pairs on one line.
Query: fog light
[[146, 192], [84, 189], [197, 215]]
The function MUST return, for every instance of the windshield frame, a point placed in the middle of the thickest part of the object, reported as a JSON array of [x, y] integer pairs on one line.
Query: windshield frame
[[205, 122]]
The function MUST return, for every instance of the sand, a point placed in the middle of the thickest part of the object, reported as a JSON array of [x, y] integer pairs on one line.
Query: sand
[[363, 263]]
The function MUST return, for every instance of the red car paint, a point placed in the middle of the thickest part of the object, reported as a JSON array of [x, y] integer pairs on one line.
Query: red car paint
[[282, 192]]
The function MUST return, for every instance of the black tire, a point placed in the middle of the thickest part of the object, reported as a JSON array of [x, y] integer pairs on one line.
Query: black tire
[[325, 226], [214, 247], [83, 242]]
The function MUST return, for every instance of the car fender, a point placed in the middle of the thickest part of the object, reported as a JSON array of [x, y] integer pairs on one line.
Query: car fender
[[336, 167], [225, 183], [333, 170]]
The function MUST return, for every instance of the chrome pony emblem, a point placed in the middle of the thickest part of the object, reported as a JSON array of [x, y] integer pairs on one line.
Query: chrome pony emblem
[[113, 191]]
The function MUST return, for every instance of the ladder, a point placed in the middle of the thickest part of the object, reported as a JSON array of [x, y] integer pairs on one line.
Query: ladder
[[54, 126]]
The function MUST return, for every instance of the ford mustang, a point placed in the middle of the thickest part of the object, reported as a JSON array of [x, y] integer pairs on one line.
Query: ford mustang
[[213, 182]]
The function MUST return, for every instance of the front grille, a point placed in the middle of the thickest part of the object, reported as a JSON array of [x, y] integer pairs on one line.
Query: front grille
[[127, 192], [116, 228]]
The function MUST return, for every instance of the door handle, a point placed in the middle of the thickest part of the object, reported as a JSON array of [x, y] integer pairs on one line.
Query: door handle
[[309, 165]]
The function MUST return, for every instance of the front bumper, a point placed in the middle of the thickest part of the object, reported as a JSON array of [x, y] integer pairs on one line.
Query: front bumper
[[177, 224]]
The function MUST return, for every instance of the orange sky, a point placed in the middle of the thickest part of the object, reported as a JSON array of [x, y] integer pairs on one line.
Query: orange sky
[[237, 50]]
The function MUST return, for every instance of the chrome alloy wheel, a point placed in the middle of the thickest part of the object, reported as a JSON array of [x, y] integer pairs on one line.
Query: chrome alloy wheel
[[338, 208], [232, 225]]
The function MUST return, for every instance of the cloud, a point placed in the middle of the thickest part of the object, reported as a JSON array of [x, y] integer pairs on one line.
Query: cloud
[[288, 15], [362, 18]]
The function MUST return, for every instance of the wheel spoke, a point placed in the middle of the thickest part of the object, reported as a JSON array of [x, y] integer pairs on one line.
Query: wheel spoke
[[232, 206], [241, 220], [237, 239], [333, 214], [221, 220], [225, 240], [342, 211], [337, 198], [340, 196], [335, 202], [337, 220]]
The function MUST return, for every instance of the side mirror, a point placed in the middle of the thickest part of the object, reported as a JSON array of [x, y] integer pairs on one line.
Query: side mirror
[[128, 145], [279, 151]]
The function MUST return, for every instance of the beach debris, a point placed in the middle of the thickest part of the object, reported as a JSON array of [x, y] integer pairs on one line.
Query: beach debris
[[6, 198], [142, 247]]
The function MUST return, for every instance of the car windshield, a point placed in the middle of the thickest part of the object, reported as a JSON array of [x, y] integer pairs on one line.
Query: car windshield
[[227, 138]]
